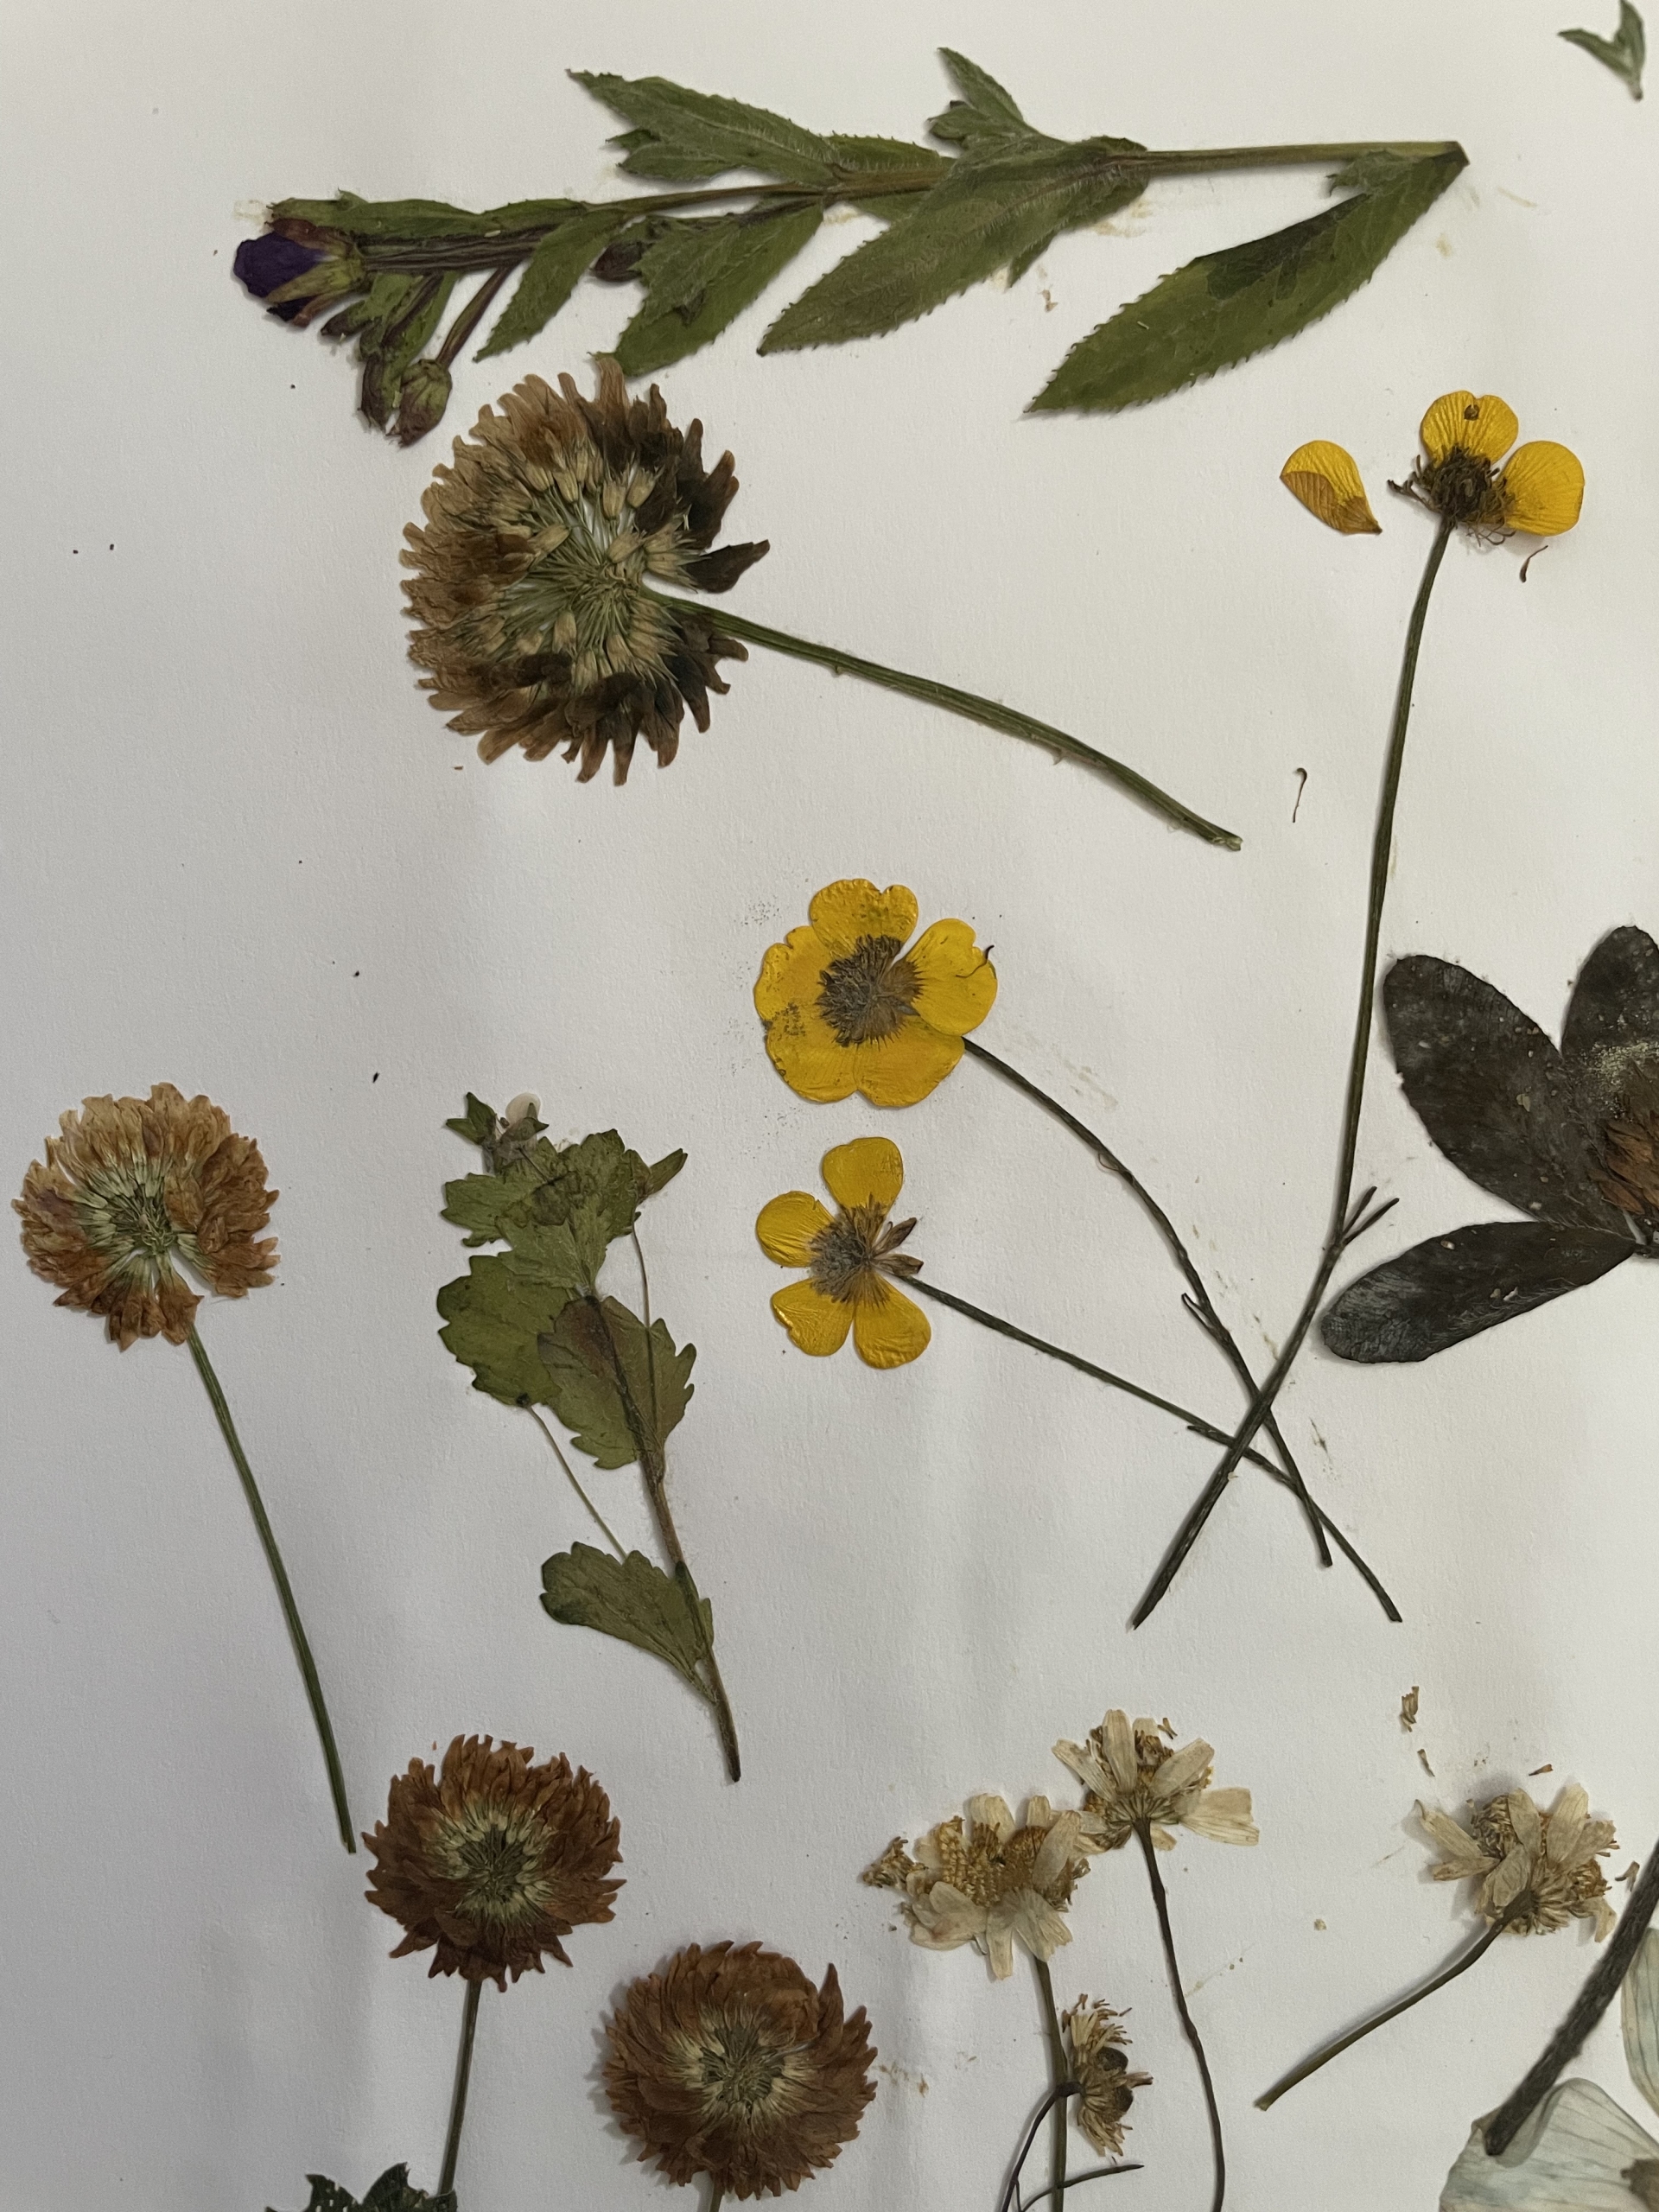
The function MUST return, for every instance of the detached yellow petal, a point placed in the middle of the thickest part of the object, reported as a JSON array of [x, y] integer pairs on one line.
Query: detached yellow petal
[[889, 1331], [1325, 478], [787, 1226], [1486, 426], [842, 913], [957, 982], [1542, 489], [868, 1171], [816, 1323]]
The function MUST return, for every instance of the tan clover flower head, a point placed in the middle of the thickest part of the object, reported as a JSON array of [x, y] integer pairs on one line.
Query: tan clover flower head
[[1536, 1870], [1096, 2046], [1134, 1778], [132, 1191], [730, 2064], [988, 1880]]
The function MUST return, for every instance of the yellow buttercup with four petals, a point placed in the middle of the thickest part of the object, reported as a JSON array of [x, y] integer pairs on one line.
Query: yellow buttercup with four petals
[[853, 1255]]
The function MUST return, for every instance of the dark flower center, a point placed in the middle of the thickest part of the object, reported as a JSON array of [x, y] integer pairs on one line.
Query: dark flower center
[[869, 992], [1464, 487], [139, 1219], [494, 1856], [739, 2071], [853, 1252]]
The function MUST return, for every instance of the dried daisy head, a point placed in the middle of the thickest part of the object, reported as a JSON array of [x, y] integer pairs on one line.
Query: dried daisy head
[[1096, 2048], [730, 2064], [490, 1861], [989, 1879], [134, 1190], [531, 578], [1536, 1870], [1133, 1779]]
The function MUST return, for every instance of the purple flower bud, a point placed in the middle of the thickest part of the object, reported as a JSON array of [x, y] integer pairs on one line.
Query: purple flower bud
[[266, 264]]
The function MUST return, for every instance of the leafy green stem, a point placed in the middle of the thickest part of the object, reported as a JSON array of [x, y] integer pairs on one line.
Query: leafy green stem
[[284, 1589], [989, 713], [570, 1477], [458, 2095], [1189, 2027], [1059, 2072]]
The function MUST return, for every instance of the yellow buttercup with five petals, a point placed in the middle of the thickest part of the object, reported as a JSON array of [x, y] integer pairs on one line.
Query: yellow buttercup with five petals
[[853, 1256]]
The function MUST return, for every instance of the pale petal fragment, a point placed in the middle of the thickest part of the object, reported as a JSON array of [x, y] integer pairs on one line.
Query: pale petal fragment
[[1087, 1768], [991, 1812], [1571, 2156], [1119, 1740], [1568, 1820], [1225, 1816], [1183, 1768], [1639, 2016]]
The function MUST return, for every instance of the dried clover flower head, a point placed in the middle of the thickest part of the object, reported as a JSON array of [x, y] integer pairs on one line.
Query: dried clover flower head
[[134, 1189], [531, 576], [730, 2064], [491, 1860], [1096, 2047], [1536, 1870], [1133, 1779], [986, 1880], [1539, 490]]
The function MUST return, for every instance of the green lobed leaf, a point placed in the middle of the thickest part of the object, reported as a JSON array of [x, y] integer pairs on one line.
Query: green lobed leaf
[[477, 1123], [382, 219], [391, 2193], [550, 278], [495, 1319], [1626, 54], [580, 1354], [633, 1601], [1225, 307], [700, 275], [680, 135], [544, 1185]]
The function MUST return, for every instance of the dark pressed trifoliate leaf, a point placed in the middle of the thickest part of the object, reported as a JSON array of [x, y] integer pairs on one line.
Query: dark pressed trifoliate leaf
[[550, 277], [635, 1602], [680, 135], [582, 1353], [381, 219], [1452, 1286], [1611, 1040], [391, 2193], [494, 1321], [1225, 307], [1626, 54], [700, 275]]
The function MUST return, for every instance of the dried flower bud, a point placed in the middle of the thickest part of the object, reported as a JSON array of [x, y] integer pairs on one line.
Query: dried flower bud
[[422, 398]]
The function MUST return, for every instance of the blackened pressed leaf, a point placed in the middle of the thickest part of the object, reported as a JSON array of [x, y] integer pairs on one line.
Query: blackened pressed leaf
[[391, 2193], [633, 1601], [550, 278], [581, 1354], [1222, 307], [700, 275], [494, 1321], [680, 135], [1453, 1287], [1611, 1040]]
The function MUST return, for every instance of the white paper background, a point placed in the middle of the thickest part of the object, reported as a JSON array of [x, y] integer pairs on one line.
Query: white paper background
[[241, 854]]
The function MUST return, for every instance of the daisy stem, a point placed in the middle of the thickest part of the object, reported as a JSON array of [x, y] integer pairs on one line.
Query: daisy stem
[[1059, 2072], [1461, 1964], [989, 713], [1160, 1903], [604, 1526], [284, 1589], [1012, 2199], [1347, 1219], [458, 2094]]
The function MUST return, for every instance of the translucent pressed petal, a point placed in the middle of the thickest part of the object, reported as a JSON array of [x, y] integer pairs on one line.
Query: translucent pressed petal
[[1033, 1920], [1059, 1847], [1503, 1886], [1000, 1922], [1571, 2156], [1088, 1769], [1486, 426], [891, 1331], [842, 913], [958, 983], [787, 1225], [943, 1919], [816, 1323], [1183, 1768], [1567, 1821], [1528, 1828], [868, 1171], [1325, 478], [1639, 2010], [1225, 1816], [1464, 1854], [993, 1813], [1542, 489]]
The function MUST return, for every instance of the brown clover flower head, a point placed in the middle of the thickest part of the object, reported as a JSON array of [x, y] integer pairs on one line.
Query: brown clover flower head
[[1097, 2049], [1536, 1870], [989, 1879], [730, 2064], [1132, 1777], [134, 1189], [530, 583], [493, 1860]]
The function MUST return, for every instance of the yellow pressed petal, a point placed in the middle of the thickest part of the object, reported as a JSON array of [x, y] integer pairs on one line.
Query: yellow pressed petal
[[957, 983], [1325, 478], [806, 1053], [867, 1171], [842, 913], [791, 972], [816, 1323], [1486, 426], [1542, 489], [889, 1331], [897, 1070], [787, 1226]]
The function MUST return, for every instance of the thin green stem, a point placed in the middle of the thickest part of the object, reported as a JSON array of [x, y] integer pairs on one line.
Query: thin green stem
[[458, 2094], [1461, 1964], [570, 1477], [284, 1589], [1059, 2074], [1189, 2027], [1347, 1220], [989, 713]]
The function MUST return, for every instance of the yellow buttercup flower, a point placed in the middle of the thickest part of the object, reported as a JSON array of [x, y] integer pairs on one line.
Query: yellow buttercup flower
[[848, 1007], [1539, 490], [1325, 478], [852, 1254]]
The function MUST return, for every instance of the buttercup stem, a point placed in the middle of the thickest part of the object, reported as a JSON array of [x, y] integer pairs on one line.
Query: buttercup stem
[[458, 2095], [1194, 1421], [1461, 1964], [284, 1589], [1059, 2073], [1345, 1222], [570, 1477], [989, 713], [1160, 1902]]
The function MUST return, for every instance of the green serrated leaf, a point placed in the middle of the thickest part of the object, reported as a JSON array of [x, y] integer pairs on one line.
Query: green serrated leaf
[[692, 135], [580, 1352], [661, 1173], [633, 1601], [1225, 307], [550, 278], [699, 277], [543, 1186], [528, 215], [382, 219], [985, 116], [1626, 54], [391, 2193], [477, 1123], [495, 1319]]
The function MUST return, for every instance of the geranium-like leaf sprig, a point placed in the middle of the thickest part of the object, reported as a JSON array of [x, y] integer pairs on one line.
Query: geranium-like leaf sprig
[[536, 592], [136, 1199]]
